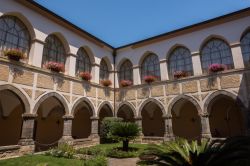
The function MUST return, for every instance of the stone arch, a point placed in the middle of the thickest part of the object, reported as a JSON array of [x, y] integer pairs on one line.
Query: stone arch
[[185, 97], [210, 37], [152, 113], [127, 114], [212, 96], [63, 40], [244, 33], [86, 100], [226, 112], [60, 98], [173, 48], [107, 104], [90, 53], [157, 102], [106, 59], [118, 66], [19, 94], [186, 121], [145, 55], [26, 22]]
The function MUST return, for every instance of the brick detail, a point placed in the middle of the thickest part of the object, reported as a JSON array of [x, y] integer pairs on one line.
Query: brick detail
[[4, 72], [209, 84], [78, 89], [157, 91], [25, 78], [28, 91], [172, 89], [45, 82], [189, 87], [130, 94], [38, 93], [64, 86], [232, 81], [101, 93], [91, 92], [143, 93]]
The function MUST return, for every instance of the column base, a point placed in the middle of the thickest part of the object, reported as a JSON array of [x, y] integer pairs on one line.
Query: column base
[[206, 136], [95, 138], [66, 140], [27, 146], [168, 137]]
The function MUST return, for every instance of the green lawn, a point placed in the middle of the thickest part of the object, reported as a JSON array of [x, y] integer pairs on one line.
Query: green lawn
[[40, 160]]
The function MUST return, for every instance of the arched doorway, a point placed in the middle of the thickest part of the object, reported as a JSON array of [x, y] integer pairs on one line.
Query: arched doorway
[[11, 110], [126, 113], [152, 120], [81, 124], [225, 117], [186, 121], [105, 111], [49, 123]]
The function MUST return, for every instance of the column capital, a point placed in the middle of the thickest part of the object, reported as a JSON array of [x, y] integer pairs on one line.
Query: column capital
[[94, 118], [138, 118], [68, 117], [29, 116], [204, 115], [167, 117]]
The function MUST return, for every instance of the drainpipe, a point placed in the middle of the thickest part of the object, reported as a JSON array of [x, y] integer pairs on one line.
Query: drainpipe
[[114, 61]]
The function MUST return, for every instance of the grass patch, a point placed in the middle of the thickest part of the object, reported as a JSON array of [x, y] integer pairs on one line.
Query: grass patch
[[40, 160], [114, 150]]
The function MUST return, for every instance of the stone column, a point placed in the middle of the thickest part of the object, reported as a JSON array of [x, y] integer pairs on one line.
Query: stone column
[[196, 63], [205, 133], [169, 135], [138, 121], [36, 53], [136, 75], [70, 65], [95, 73], [94, 129], [237, 55], [26, 140], [164, 70], [67, 130]]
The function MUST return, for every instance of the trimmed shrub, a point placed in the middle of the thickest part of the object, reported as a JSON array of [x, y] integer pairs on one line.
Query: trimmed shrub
[[105, 129], [63, 150]]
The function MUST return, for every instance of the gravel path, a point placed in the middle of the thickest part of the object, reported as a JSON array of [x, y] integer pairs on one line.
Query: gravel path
[[122, 162]]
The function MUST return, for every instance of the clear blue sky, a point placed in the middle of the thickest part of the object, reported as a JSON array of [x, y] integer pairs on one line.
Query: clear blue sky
[[120, 22]]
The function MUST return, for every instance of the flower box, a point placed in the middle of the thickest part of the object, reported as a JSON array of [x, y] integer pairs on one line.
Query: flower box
[[55, 66], [180, 74], [85, 76], [14, 54], [106, 83], [213, 68], [149, 79], [125, 83]]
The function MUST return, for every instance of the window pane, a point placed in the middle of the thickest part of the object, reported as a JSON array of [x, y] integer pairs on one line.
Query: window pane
[[245, 48], [150, 66], [83, 63]]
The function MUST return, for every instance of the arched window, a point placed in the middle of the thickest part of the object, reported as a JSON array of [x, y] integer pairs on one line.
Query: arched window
[[151, 66], [216, 51], [104, 71], [126, 71], [83, 63], [180, 60], [245, 48], [53, 50], [14, 35]]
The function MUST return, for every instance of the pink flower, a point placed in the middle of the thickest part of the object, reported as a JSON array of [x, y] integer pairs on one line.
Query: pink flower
[[85, 76], [125, 83], [106, 83], [149, 79], [180, 74], [55, 66], [216, 67]]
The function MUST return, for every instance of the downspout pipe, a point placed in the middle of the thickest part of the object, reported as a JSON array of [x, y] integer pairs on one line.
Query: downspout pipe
[[114, 61]]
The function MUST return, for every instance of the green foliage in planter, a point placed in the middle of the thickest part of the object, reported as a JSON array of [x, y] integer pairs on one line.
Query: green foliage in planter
[[96, 161], [105, 128], [63, 150], [124, 131], [119, 153]]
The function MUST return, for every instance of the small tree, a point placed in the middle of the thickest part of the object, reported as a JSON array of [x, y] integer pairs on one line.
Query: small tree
[[124, 131]]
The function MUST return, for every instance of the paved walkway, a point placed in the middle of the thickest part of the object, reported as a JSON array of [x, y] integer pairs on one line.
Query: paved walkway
[[122, 162]]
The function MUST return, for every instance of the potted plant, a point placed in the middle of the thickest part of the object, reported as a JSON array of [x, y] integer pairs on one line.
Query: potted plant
[[14, 54], [85, 76], [180, 74], [216, 67], [55, 66], [106, 83], [125, 83], [149, 79]]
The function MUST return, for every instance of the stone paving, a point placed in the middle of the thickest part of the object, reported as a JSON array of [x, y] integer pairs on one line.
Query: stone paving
[[122, 162]]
